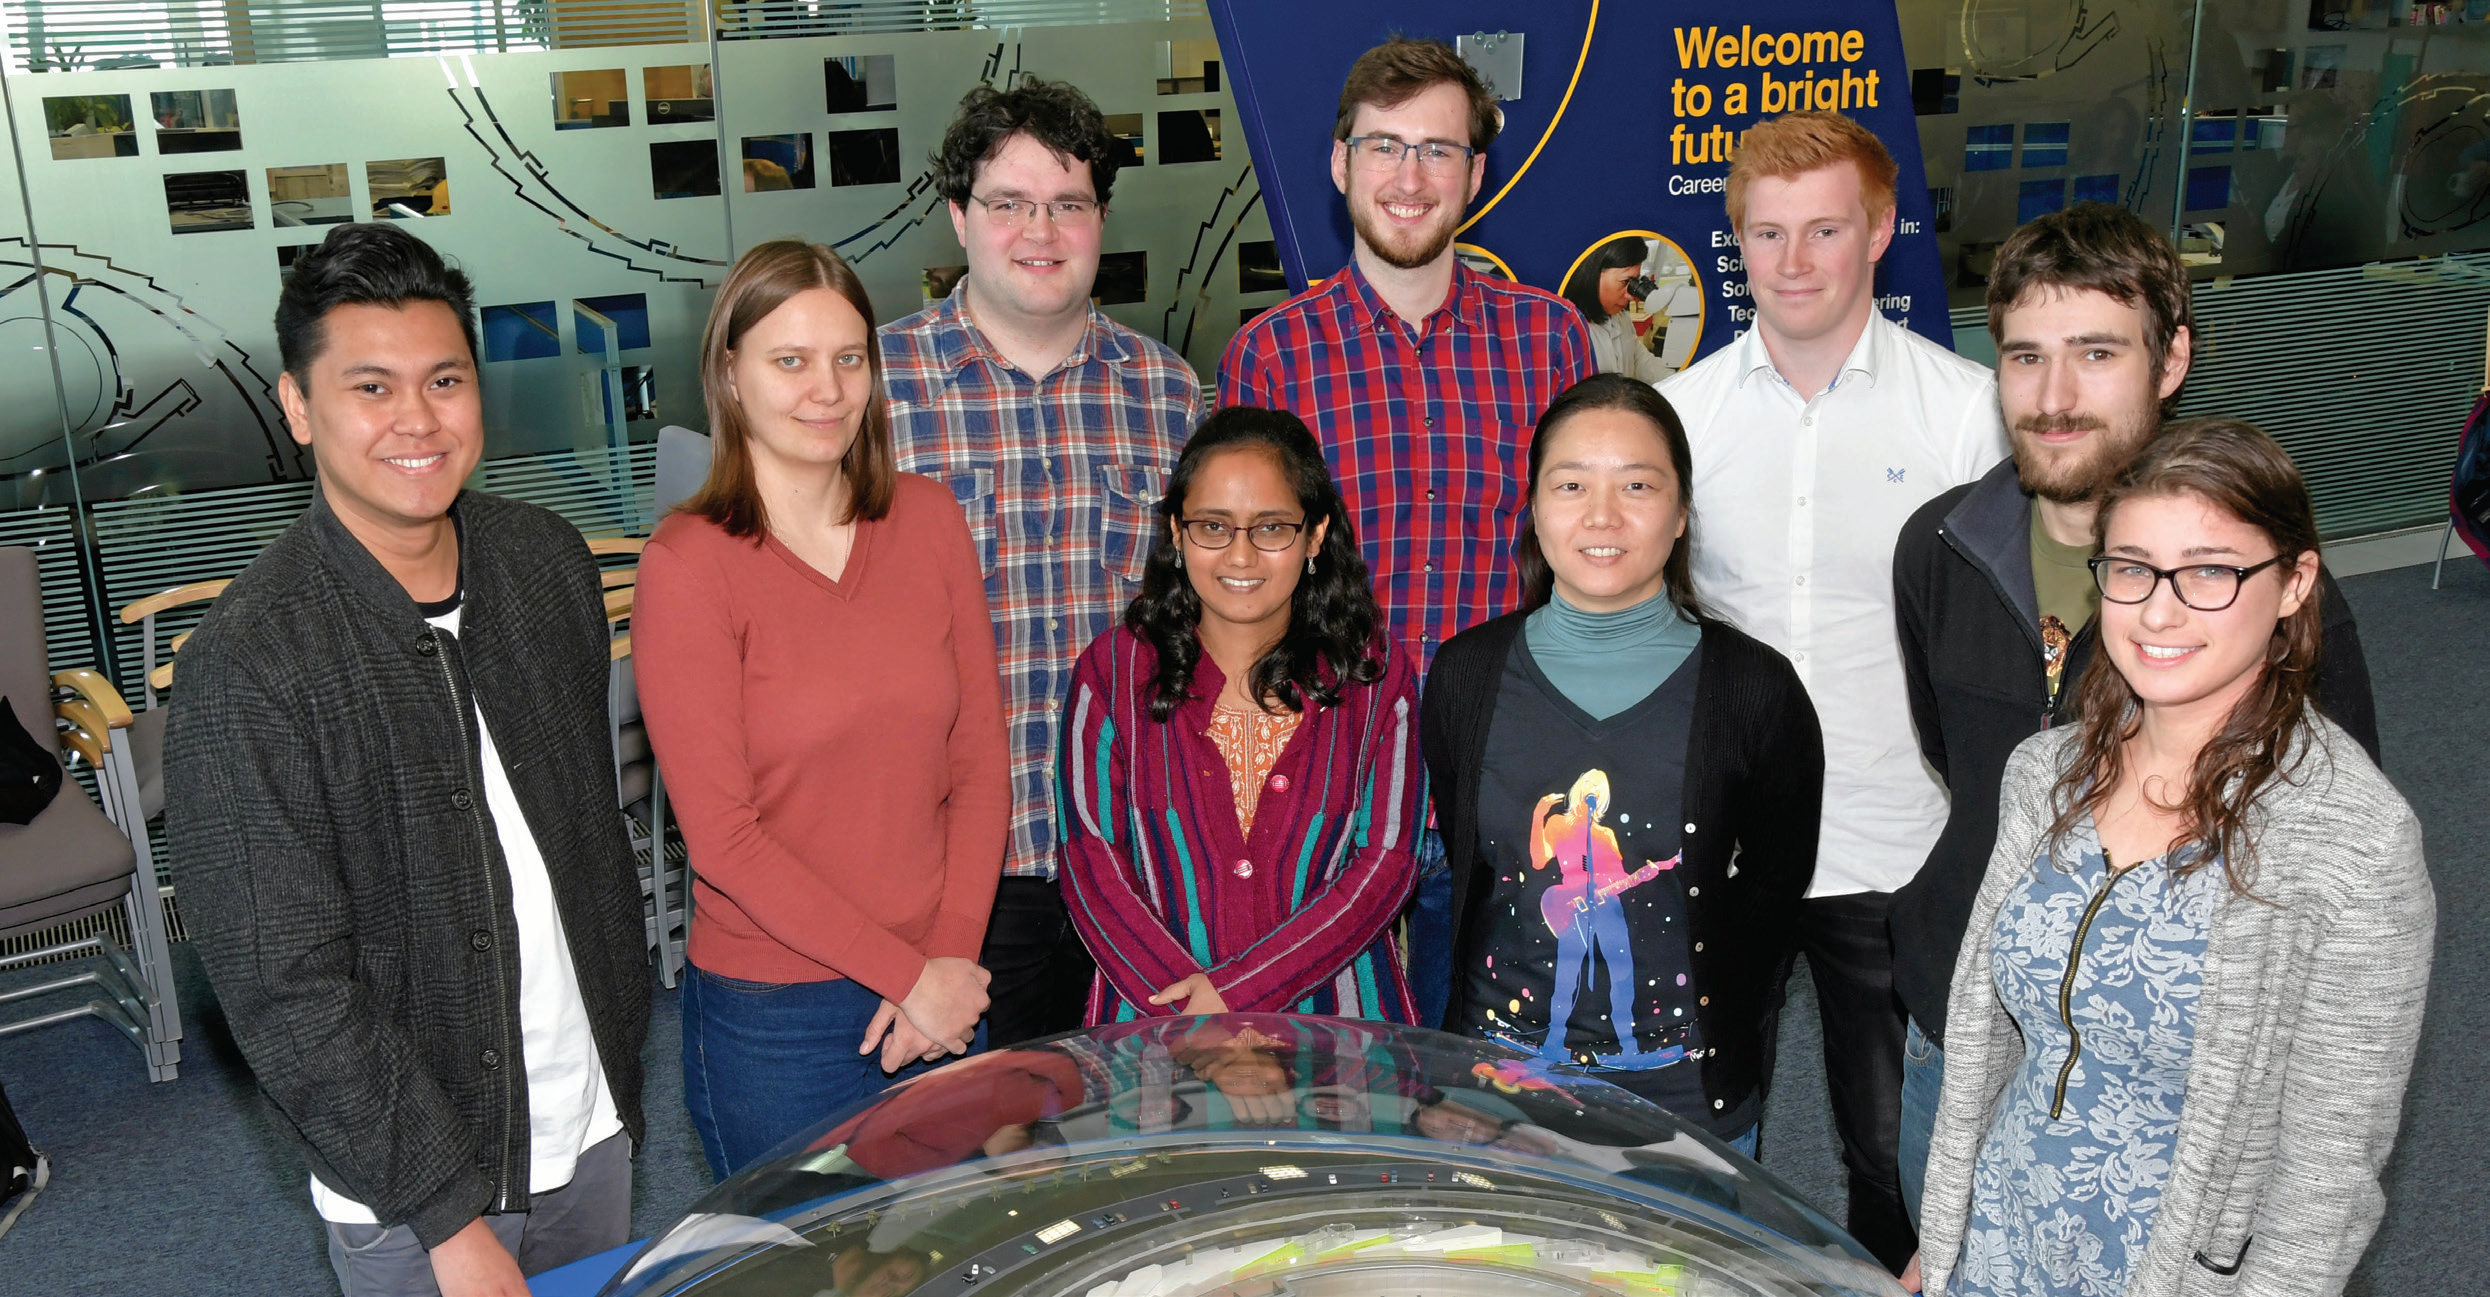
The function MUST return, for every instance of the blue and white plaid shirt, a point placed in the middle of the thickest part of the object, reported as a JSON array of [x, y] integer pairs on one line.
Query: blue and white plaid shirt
[[1059, 476]]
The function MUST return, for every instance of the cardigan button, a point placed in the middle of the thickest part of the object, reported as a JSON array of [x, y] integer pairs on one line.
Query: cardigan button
[[492, 1058], [1279, 783], [461, 800], [425, 645], [481, 940], [1243, 869]]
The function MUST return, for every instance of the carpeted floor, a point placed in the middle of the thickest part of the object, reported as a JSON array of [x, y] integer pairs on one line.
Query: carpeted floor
[[184, 1188]]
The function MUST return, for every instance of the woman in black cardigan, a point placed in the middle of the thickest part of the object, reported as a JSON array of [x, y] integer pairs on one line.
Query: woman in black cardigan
[[1629, 790]]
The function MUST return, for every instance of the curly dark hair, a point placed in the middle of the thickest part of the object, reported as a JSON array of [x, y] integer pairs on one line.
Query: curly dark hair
[[1332, 616], [1582, 286], [1053, 113]]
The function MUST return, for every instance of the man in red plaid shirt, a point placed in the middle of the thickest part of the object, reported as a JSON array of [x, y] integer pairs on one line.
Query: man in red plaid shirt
[[1055, 426], [1422, 380]]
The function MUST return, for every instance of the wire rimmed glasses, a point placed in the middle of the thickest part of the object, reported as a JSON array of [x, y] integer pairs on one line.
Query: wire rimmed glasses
[[2205, 587], [1269, 537], [1012, 213], [1435, 157]]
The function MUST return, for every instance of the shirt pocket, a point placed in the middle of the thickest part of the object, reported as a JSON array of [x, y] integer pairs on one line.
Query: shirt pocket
[[1128, 498], [974, 489]]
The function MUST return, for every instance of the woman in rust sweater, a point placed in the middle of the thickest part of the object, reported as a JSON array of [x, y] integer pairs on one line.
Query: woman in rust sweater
[[817, 670]]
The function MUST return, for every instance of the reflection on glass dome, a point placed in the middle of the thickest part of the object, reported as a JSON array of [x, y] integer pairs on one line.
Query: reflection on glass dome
[[1253, 1155]]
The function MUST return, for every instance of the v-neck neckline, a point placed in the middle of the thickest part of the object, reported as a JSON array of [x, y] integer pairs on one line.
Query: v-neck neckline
[[1596, 727], [849, 578]]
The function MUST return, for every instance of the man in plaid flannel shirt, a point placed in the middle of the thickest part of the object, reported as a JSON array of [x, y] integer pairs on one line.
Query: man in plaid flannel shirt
[[1422, 380], [1056, 428]]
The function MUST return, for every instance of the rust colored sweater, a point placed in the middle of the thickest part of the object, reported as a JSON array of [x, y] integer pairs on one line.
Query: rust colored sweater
[[833, 749]]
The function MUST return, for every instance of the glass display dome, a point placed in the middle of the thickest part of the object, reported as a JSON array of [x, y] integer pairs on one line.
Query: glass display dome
[[1253, 1155]]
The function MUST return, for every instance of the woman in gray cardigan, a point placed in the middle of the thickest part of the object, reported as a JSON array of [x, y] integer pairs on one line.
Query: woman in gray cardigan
[[2189, 994]]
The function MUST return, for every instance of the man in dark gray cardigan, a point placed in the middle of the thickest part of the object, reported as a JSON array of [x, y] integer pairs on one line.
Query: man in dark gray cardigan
[[391, 803]]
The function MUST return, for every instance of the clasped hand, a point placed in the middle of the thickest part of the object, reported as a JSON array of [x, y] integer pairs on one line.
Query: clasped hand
[[938, 1017]]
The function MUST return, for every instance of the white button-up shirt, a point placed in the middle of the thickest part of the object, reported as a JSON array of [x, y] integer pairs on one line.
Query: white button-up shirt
[[1797, 505]]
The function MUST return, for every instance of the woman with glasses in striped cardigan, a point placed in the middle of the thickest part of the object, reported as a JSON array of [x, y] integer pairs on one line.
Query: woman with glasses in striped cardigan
[[1240, 784]]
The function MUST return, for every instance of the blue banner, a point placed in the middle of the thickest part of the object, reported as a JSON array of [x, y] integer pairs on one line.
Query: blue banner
[[1627, 115]]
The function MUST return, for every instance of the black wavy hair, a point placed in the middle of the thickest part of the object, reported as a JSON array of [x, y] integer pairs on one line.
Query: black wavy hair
[[1582, 287], [1332, 615], [1054, 113], [367, 263], [1613, 392]]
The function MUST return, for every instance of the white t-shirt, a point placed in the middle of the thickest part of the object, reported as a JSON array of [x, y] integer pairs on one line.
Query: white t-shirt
[[1798, 503], [569, 1108]]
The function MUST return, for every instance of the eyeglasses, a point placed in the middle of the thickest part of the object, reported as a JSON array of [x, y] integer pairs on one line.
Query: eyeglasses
[[1013, 213], [2205, 587], [1269, 537], [1381, 153]]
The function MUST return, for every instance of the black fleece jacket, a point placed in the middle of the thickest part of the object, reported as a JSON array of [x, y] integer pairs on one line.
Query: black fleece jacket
[[1754, 789], [324, 799], [1971, 654]]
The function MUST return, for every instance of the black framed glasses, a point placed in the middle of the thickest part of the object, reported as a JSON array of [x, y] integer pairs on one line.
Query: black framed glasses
[[1436, 157], [2205, 587], [1269, 537], [1015, 212]]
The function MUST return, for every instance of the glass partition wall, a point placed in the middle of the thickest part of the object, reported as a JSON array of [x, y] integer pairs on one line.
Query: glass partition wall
[[596, 164]]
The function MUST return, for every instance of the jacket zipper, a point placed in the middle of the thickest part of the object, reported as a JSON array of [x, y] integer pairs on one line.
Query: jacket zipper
[[501, 984], [2066, 988]]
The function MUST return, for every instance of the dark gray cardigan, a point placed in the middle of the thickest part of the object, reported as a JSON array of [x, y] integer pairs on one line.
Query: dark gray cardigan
[[344, 883]]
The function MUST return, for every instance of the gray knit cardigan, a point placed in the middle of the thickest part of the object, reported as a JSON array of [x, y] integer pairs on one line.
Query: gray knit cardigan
[[2305, 1030]]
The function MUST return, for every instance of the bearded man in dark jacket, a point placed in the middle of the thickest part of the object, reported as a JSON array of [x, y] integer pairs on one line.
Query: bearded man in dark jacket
[[2090, 311]]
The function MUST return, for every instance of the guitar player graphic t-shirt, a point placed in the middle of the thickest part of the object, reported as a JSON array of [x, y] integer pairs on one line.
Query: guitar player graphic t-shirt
[[1580, 953]]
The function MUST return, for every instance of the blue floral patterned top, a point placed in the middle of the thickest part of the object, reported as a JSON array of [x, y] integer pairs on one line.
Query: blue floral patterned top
[[2062, 1197]]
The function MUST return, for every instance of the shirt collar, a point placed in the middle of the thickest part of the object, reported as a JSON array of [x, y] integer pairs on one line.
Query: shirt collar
[[1465, 303], [959, 342], [1867, 355]]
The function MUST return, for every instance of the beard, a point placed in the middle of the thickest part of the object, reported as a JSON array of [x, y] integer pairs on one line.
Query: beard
[[2078, 473], [1404, 249]]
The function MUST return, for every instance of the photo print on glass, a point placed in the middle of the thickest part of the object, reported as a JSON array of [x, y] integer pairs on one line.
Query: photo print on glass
[[860, 83], [678, 93], [308, 196], [1126, 128], [90, 126], [683, 168], [1189, 135], [628, 311], [406, 189], [521, 331], [1258, 267], [1122, 277], [591, 99], [204, 202], [774, 162], [865, 157], [1188, 67], [195, 121]]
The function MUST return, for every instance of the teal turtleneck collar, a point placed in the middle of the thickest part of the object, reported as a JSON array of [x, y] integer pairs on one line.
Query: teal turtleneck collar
[[1605, 662]]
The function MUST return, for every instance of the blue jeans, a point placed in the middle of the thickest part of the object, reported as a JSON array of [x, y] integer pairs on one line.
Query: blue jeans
[[764, 1062], [1745, 1144], [1430, 932], [1923, 1078]]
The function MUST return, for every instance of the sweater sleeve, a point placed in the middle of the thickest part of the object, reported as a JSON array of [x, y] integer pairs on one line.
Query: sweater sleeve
[[260, 852], [688, 644], [1911, 582], [1782, 798], [1344, 915], [2363, 985], [980, 805], [1100, 841]]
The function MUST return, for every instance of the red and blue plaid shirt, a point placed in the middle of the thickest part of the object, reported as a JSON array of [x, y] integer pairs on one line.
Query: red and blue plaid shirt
[[1059, 476], [1427, 428]]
